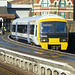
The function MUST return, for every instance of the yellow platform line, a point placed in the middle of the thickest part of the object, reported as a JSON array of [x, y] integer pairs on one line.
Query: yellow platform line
[[41, 53]]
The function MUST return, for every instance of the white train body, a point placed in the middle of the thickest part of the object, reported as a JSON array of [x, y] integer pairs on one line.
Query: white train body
[[29, 28]]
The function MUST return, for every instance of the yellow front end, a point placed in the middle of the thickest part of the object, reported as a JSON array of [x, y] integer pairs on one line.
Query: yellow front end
[[55, 42], [52, 41]]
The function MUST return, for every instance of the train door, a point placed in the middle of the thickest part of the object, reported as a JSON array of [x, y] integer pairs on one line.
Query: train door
[[35, 35]]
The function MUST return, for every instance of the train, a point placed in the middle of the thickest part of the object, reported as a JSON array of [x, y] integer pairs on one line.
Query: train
[[47, 31]]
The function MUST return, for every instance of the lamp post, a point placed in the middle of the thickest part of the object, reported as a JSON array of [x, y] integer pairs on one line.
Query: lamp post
[[29, 2], [33, 6], [51, 6]]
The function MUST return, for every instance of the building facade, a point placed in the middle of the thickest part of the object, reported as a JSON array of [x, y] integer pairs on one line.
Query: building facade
[[64, 8]]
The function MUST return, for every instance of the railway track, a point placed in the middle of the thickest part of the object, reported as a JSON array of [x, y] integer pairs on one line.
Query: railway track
[[37, 51], [5, 69], [30, 47], [71, 44]]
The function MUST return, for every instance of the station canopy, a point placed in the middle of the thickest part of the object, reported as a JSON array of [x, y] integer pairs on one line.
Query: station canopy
[[4, 13]]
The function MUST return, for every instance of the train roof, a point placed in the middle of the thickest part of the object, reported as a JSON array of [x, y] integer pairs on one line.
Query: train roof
[[36, 18]]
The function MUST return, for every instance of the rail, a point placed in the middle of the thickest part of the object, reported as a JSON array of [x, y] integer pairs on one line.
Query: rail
[[6, 70]]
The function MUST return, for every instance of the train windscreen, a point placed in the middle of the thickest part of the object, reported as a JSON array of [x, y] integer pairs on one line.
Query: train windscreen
[[53, 27], [60, 27]]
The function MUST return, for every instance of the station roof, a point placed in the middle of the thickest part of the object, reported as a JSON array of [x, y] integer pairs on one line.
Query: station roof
[[19, 6], [4, 13], [10, 16]]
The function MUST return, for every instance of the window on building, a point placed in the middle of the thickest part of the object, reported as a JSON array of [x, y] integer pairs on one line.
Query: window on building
[[44, 4], [44, 13], [62, 1], [69, 5], [55, 4], [55, 12], [63, 14], [62, 4], [69, 15], [21, 2]]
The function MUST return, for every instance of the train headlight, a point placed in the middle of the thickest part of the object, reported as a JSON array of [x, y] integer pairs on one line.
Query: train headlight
[[44, 40], [63, 40]]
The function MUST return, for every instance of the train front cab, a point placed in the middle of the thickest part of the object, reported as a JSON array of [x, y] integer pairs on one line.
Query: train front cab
[[53, 33]]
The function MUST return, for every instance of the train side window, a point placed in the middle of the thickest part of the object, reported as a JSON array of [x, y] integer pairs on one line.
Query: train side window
[[13, 28], [25, 29], [22, 26], [31, 29], [19, 28]]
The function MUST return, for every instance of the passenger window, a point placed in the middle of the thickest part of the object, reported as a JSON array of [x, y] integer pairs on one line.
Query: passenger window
[[19, 29], [13, 28], [31, 29], [25, 29]]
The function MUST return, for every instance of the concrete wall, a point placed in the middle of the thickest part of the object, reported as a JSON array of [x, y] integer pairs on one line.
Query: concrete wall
[[36, 65], [71, 25]]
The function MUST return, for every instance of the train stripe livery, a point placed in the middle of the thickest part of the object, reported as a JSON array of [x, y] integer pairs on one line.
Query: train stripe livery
[[48, 31]]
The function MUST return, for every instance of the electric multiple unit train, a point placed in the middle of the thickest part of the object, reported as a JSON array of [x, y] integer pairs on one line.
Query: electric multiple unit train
[[48, 31]]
